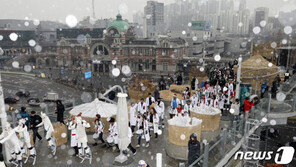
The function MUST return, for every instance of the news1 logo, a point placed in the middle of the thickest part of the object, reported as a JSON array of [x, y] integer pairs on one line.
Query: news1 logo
[[283, 155]]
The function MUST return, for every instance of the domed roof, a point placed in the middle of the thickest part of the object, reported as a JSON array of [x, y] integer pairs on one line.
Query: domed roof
[[119, 24]]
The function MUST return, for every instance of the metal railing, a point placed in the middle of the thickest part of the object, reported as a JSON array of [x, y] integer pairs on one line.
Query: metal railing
[[242, 132]]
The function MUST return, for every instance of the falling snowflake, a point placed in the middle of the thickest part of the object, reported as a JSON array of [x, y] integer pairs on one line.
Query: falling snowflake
[[280, 96], [71, 21], [1, 37], [189, 24], [288, 30], [256, 30], [26, 23], [272, 122], [159, 132], [217, 57], [240, 24], [36, 22], [38, 48], [263, 23], [13, 36], [183, 32], [183, 137], [264, 120], [27, 68], [116, 72], [284, 41], [32, 42], [126, 70], [81, 39], [114, 62], [15, 64], [63, 135], [231, 111], [201, 69], [86, 97], [194, 38], [273, 44], [269, 64], [69, 162]]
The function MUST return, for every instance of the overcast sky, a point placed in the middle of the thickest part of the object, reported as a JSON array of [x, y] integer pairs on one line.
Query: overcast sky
[[58, 9]]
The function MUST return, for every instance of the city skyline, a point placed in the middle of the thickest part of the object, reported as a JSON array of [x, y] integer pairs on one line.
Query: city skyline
[[57, 10]]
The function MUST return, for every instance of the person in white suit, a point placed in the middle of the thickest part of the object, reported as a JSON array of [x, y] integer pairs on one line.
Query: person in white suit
[[74, 143], [149, 100], [133, 116], [24, 136], [113, 132], [9, 136], [80, 126], [49, 130], [160, 107], [142, 107]]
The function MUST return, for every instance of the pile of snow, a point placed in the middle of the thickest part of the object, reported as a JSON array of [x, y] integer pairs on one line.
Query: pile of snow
[[96, 107], [206, 110], [184, 121]]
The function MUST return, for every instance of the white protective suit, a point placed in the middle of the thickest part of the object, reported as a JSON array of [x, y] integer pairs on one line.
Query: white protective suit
[[113, 134], [48, 128], [9, 136], [73, 134], [81, 136], [159, 107], [133, 115], [24, 135], [142, 107]]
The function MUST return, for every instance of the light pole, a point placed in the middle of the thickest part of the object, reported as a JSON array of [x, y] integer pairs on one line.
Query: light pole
[[3, 117], [238, 77]]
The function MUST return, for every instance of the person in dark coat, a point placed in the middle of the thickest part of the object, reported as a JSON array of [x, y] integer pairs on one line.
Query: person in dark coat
[[264, 88], [193, 149], [193, 83], [179, 80], [35, 120], [24, 115], [60, 111]]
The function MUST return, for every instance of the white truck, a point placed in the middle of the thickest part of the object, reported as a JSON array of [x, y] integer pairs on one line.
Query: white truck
[[51, 96]]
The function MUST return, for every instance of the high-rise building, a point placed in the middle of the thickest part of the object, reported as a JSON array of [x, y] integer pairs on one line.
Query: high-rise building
[[242, 4], [261, 14], [153, 18]]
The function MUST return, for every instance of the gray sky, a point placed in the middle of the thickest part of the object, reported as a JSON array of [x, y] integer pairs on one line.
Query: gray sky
[[58, 9]]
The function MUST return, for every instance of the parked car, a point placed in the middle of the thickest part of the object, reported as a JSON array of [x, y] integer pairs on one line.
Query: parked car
[[11, 100], [33, 101], [23, 94]]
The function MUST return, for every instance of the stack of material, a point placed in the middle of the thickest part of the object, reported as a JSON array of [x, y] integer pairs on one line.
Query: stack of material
[[90, 110], [197, 73], [167, 95], [181, 127], [178, 88], [256, 70], [60, 134], [140, 89], [210, 117]]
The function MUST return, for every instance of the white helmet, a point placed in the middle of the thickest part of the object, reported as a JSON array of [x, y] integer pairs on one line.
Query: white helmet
[[142, 162], [43, 115]]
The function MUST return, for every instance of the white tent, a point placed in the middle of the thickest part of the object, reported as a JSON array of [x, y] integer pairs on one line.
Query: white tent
[[96, 107]]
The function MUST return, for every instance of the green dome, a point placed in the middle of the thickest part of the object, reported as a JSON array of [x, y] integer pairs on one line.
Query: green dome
[[119, 24]]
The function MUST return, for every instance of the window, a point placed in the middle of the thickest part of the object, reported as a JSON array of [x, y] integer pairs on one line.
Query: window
[[165, 45], [147, 64], [153, 65], [140, 65], [153, 52], [140, 51], [146, 51], [165, 66]]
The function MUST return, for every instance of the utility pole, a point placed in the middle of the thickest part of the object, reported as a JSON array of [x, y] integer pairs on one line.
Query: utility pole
[[238, 77]]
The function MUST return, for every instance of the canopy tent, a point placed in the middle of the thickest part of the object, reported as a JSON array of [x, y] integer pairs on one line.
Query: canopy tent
[[256, 70], [90, 110]]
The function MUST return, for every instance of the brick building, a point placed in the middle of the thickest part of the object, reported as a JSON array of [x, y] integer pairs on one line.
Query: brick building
[[119, 42]]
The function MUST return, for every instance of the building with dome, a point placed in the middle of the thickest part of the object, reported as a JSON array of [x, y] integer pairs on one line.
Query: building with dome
[[118, 41]]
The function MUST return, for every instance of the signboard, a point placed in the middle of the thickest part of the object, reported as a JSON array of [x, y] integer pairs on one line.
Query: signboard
[[87, 74], [201, 25]]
